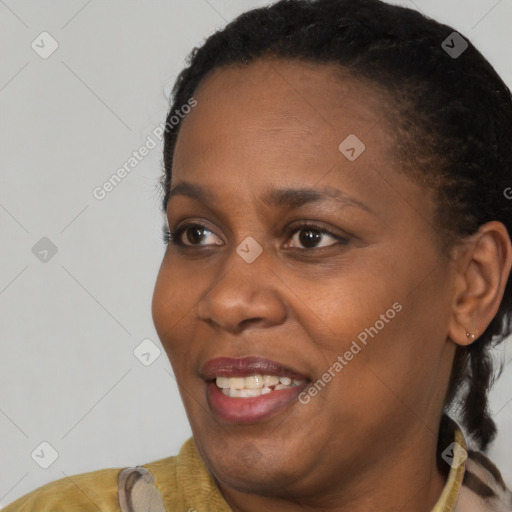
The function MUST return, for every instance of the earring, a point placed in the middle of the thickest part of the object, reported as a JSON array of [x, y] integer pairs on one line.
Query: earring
[[468, 335]]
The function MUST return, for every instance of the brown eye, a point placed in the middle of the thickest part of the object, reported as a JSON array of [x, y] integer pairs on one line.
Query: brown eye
[[192, 235], [312, 237]]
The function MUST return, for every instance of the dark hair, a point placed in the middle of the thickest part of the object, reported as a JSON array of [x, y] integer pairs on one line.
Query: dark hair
[[453, 125]]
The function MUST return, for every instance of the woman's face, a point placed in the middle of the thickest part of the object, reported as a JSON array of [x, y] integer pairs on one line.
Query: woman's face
[[307, 257]]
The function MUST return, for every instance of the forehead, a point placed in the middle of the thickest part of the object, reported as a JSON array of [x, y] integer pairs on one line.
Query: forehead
[[282, 92], [282, 112], [281, 124]]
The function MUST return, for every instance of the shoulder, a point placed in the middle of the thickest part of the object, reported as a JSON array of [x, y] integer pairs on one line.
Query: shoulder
[[92, 491]]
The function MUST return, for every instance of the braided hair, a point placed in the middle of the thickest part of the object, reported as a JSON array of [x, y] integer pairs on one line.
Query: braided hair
[[453, 123]]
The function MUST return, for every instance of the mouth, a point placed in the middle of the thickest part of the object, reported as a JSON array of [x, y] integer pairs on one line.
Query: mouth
[[254, 385], [250, 389]]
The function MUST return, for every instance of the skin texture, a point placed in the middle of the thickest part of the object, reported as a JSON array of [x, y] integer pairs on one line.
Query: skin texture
[[367, 441]]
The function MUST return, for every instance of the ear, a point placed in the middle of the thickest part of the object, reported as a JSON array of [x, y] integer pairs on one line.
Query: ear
[[483, 262]]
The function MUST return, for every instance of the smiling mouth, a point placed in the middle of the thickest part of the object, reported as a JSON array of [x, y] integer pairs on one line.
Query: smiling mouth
[[243, 390], [255, 385]]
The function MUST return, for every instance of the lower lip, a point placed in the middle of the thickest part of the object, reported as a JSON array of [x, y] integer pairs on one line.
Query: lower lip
[[249, 410]]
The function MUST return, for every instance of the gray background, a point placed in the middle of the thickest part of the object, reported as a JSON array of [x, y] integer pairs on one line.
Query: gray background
[[69, 326]]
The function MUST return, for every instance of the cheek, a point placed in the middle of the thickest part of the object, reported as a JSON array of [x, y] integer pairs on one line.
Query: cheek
[[172, 304], [404, 359], [162, 304], [387, 329], [356, 303]]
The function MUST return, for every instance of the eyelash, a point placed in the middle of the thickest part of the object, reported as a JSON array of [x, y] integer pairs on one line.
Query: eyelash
[[175, 237]]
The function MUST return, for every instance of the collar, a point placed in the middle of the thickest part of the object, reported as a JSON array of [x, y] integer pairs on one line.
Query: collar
[[455, 455]]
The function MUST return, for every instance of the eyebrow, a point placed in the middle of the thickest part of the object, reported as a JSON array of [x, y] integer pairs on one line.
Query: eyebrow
[[290, 197]]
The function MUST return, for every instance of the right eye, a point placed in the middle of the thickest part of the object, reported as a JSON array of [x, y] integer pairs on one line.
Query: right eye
[[193, 234]]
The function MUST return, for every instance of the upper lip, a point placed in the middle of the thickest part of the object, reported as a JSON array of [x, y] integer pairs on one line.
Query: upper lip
[[244, 366]]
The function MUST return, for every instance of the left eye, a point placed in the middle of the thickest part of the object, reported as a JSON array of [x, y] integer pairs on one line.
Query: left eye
[[312, 237]]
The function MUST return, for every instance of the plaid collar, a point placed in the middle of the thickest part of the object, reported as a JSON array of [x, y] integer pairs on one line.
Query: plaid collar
[[455, 455]]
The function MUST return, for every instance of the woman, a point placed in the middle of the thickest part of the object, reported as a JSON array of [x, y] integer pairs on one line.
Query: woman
[[337, 269]]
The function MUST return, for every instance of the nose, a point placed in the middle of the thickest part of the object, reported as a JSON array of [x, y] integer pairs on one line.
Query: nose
[[245, 294]]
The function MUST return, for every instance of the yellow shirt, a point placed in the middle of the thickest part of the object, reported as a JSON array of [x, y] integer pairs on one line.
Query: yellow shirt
[[183, 481], [185, 485]]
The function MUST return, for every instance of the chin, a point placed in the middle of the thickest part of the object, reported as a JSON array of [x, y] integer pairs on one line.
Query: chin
[[262, 477], [252, 463]]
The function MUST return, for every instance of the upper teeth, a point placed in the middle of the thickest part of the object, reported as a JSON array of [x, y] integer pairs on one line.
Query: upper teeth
[[254, 385]]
